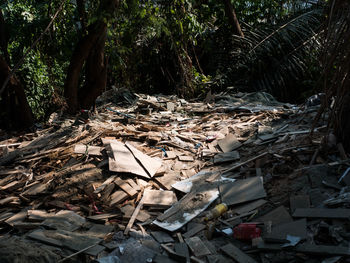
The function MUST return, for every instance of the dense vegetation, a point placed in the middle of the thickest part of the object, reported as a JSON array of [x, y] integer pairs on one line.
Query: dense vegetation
[[186, 47]]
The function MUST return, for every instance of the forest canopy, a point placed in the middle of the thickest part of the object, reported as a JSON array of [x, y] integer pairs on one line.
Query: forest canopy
[[63, 54]]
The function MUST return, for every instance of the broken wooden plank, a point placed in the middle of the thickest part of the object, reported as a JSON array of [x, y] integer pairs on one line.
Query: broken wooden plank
[[123, 160], [236, 254], [159, 198], [185, 158], [194, 230], [117, 197], [133, 217], [162, 237], [104, 184], [128, 210], [168, 179], [226, 157], [64, 220], [197, 246], [241, 191], [151, 165], [229, 143], [88, 150], [102, 217], [134, 185], [245, 208], [295, 228], [244, 163], [125, 186], [277, 216], [8, 199], [337, 213]]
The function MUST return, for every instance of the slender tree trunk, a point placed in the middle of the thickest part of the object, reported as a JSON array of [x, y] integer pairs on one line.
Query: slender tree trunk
[[80, 55], [232, 18], [96, 73], [89, 50]]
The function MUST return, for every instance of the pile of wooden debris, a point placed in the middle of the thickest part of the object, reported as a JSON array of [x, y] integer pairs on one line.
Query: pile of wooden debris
[[236, 177]]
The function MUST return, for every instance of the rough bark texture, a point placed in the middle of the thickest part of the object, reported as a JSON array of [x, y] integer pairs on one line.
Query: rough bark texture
[[89, 50], [96, 73], [232, 18], [80, 55]]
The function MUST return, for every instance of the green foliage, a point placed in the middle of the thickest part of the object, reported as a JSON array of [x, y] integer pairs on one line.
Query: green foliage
[[37, 81], [180, 46]]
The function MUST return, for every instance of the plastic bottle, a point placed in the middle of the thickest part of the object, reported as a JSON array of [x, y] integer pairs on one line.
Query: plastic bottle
[[216, 211]]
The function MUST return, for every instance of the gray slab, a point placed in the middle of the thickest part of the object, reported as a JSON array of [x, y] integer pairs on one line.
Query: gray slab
[[339, 213], [277, 216], [236, 254], [242, 191]]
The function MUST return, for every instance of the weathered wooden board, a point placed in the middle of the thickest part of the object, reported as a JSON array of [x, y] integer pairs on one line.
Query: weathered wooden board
[[123, 160], [236, 254], [159, 198], [242, 191], [150, 164]]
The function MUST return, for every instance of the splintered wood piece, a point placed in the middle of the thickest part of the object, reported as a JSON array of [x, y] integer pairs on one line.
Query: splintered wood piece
[[167, 180], [133, 217], [117, 197], [194, 230], [159, 198], [237, 254], [185, 158], [125, 186], [197, 246], [128, 211], [88, 150], [150, 164], [162, 237], [133, 184], [104, 184], [226, 157], [244, 163], [7, 200], [64, 220], [229, 143], [245, 208], [123, 160], [105, 194]]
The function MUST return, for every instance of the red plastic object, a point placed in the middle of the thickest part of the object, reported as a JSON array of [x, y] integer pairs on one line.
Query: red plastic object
[[246, 231]]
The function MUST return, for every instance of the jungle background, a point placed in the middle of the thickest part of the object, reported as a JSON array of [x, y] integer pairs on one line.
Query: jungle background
[[61, 55]]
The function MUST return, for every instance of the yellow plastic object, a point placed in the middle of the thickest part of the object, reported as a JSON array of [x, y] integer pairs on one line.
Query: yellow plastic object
[[216, 211]]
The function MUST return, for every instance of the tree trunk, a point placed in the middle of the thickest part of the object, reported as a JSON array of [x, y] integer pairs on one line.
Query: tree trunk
[[232, 18], [90, 49], [80, 55], [96, 74], [14, 104]]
